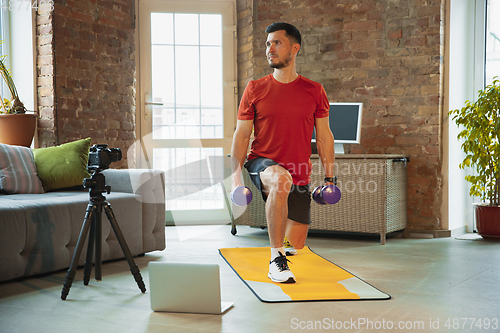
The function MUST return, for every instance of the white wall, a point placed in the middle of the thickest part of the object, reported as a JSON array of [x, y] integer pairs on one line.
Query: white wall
[[459, 64]]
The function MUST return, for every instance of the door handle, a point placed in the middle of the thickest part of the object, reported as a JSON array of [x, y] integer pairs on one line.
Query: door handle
[[148, 103]]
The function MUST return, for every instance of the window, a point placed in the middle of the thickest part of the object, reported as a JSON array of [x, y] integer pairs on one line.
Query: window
[[16, 30], [4, 37], [472, 61], [492, 63], [187, 75]]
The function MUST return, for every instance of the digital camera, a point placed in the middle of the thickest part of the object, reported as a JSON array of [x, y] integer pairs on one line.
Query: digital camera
[[100, 157]]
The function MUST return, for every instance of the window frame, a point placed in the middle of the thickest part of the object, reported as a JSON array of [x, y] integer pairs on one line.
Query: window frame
[[5, 46]]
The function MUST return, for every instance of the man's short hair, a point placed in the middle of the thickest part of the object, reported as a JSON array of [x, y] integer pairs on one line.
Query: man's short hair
[[291, 31]]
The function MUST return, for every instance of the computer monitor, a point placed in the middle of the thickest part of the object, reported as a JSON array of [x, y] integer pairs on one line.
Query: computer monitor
[[345, 123]]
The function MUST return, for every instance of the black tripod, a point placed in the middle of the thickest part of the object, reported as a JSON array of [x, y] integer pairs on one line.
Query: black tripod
[[93, 218]]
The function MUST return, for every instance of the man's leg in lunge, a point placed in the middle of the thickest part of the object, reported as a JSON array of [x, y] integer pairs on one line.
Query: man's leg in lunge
[[276, 184], [296, 235], [299, 218]]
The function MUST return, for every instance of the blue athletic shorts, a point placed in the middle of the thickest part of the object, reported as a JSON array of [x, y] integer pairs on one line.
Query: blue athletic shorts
[[299, 199]]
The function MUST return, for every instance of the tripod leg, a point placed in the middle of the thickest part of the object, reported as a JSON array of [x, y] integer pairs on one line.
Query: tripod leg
[[98, 242], [70, 275], [133, 267], [87, 268]]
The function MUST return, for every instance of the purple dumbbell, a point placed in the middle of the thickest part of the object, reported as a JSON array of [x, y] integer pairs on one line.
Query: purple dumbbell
[[328, 194], [241, 196], [316, 194]]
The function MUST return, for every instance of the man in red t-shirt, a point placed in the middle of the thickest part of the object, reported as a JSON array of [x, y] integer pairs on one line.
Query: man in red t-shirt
[[283, 109]]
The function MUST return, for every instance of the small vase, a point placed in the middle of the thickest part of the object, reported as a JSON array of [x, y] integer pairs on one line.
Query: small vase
[[17, 129]]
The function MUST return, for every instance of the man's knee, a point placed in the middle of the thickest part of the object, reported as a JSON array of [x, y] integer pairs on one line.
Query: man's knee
[[277, 179], [297, 242], [300, 244]]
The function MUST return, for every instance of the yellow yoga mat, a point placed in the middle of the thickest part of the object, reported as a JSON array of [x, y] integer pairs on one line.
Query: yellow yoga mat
[[317, 278]]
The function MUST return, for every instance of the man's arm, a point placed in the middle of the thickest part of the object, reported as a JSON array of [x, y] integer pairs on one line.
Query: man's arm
[[325, 144], [239, 149]]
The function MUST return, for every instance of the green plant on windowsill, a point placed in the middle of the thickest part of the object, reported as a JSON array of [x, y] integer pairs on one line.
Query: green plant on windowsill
[[14, 106], [481, 134]]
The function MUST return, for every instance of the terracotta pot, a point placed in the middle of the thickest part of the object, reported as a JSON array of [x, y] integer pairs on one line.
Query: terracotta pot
[[17, 129], [488, 221]]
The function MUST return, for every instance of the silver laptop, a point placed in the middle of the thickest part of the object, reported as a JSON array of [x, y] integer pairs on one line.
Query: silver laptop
[[184, 287]]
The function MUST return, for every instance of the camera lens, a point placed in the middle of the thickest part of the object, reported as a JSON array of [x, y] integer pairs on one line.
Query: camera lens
[[115, 154]]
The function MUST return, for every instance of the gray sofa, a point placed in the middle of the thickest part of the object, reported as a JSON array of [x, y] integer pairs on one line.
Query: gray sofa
[[38, 232]]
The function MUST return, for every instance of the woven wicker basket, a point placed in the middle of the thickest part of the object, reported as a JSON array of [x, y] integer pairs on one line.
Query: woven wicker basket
[[373, 197]]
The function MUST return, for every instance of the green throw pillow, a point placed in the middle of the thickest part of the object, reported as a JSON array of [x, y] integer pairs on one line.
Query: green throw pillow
[[64, 165]]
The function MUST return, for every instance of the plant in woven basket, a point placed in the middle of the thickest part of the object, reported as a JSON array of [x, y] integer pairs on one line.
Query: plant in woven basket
[[481, 135], [15, 105]]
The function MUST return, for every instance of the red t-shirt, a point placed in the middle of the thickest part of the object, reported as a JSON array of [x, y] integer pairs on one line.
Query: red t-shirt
[[283, 115]]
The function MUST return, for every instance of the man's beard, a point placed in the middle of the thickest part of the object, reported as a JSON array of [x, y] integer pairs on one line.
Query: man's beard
[[281, 64]]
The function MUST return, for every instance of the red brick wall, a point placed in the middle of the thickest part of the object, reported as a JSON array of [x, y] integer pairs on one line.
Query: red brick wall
[[245, 52], [386, 54], [86, 73], [47, 134]]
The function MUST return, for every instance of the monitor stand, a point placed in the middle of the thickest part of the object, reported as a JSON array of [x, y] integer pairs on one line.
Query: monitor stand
[[339, 148]]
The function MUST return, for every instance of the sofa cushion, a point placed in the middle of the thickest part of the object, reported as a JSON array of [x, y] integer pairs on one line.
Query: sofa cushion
[[18, 173], [63, 166]]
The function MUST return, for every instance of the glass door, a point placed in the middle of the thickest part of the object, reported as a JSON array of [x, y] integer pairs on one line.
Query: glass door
[[188, 102]]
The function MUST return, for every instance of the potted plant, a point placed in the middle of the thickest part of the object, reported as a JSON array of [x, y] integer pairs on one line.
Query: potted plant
[[481, 135], [16, 126]]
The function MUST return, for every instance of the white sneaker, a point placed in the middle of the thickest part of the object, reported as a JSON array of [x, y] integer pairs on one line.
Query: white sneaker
[[279, 271], [289, 249]]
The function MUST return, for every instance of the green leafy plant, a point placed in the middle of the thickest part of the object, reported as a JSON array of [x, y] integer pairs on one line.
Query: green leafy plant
[[481, 134], [10, 106]]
